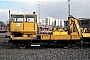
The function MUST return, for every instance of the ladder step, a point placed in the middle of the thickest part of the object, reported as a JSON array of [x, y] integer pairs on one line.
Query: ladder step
[[35, 45]]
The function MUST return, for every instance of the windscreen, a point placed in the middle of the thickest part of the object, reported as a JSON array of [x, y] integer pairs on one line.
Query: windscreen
[[18, 18], [29, 18]]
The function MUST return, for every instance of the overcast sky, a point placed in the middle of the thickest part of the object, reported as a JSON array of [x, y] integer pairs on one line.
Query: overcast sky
[[48, 8]]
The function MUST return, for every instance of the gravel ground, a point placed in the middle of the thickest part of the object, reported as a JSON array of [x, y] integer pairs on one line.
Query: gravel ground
[[45, 54]]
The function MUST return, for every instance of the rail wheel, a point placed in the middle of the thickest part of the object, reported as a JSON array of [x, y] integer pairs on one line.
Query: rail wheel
[[66, 46], [22, 46]]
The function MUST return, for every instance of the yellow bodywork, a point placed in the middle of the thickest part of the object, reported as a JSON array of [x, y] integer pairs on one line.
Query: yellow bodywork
[[60, 35], [45, 36], [16, 26], [86, 35], [75, 36], [28, 30], [30, 27]]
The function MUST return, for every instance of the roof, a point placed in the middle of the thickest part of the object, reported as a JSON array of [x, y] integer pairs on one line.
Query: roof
[[83, 18], [23, 14], [80, 19]]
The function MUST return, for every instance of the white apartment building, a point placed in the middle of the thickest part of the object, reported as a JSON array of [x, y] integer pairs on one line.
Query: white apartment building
[[51, 21], [42, 22], [59, 22]]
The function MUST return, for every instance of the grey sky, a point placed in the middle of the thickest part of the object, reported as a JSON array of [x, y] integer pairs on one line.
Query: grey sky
[[52, 8]]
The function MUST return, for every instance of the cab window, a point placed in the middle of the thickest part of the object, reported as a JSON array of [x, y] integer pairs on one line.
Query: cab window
[[18, 18], [29, 18]]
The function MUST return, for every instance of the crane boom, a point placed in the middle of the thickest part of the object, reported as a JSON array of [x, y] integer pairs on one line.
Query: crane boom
[[74, 25]]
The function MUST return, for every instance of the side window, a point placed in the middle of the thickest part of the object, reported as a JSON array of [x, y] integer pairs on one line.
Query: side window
[[29, 18], [20, 19]]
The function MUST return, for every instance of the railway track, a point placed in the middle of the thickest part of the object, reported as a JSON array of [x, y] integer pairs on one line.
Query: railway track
[[5, 44]]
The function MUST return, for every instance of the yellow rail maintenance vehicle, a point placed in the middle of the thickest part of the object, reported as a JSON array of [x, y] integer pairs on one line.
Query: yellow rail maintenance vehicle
[[23, 30]]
